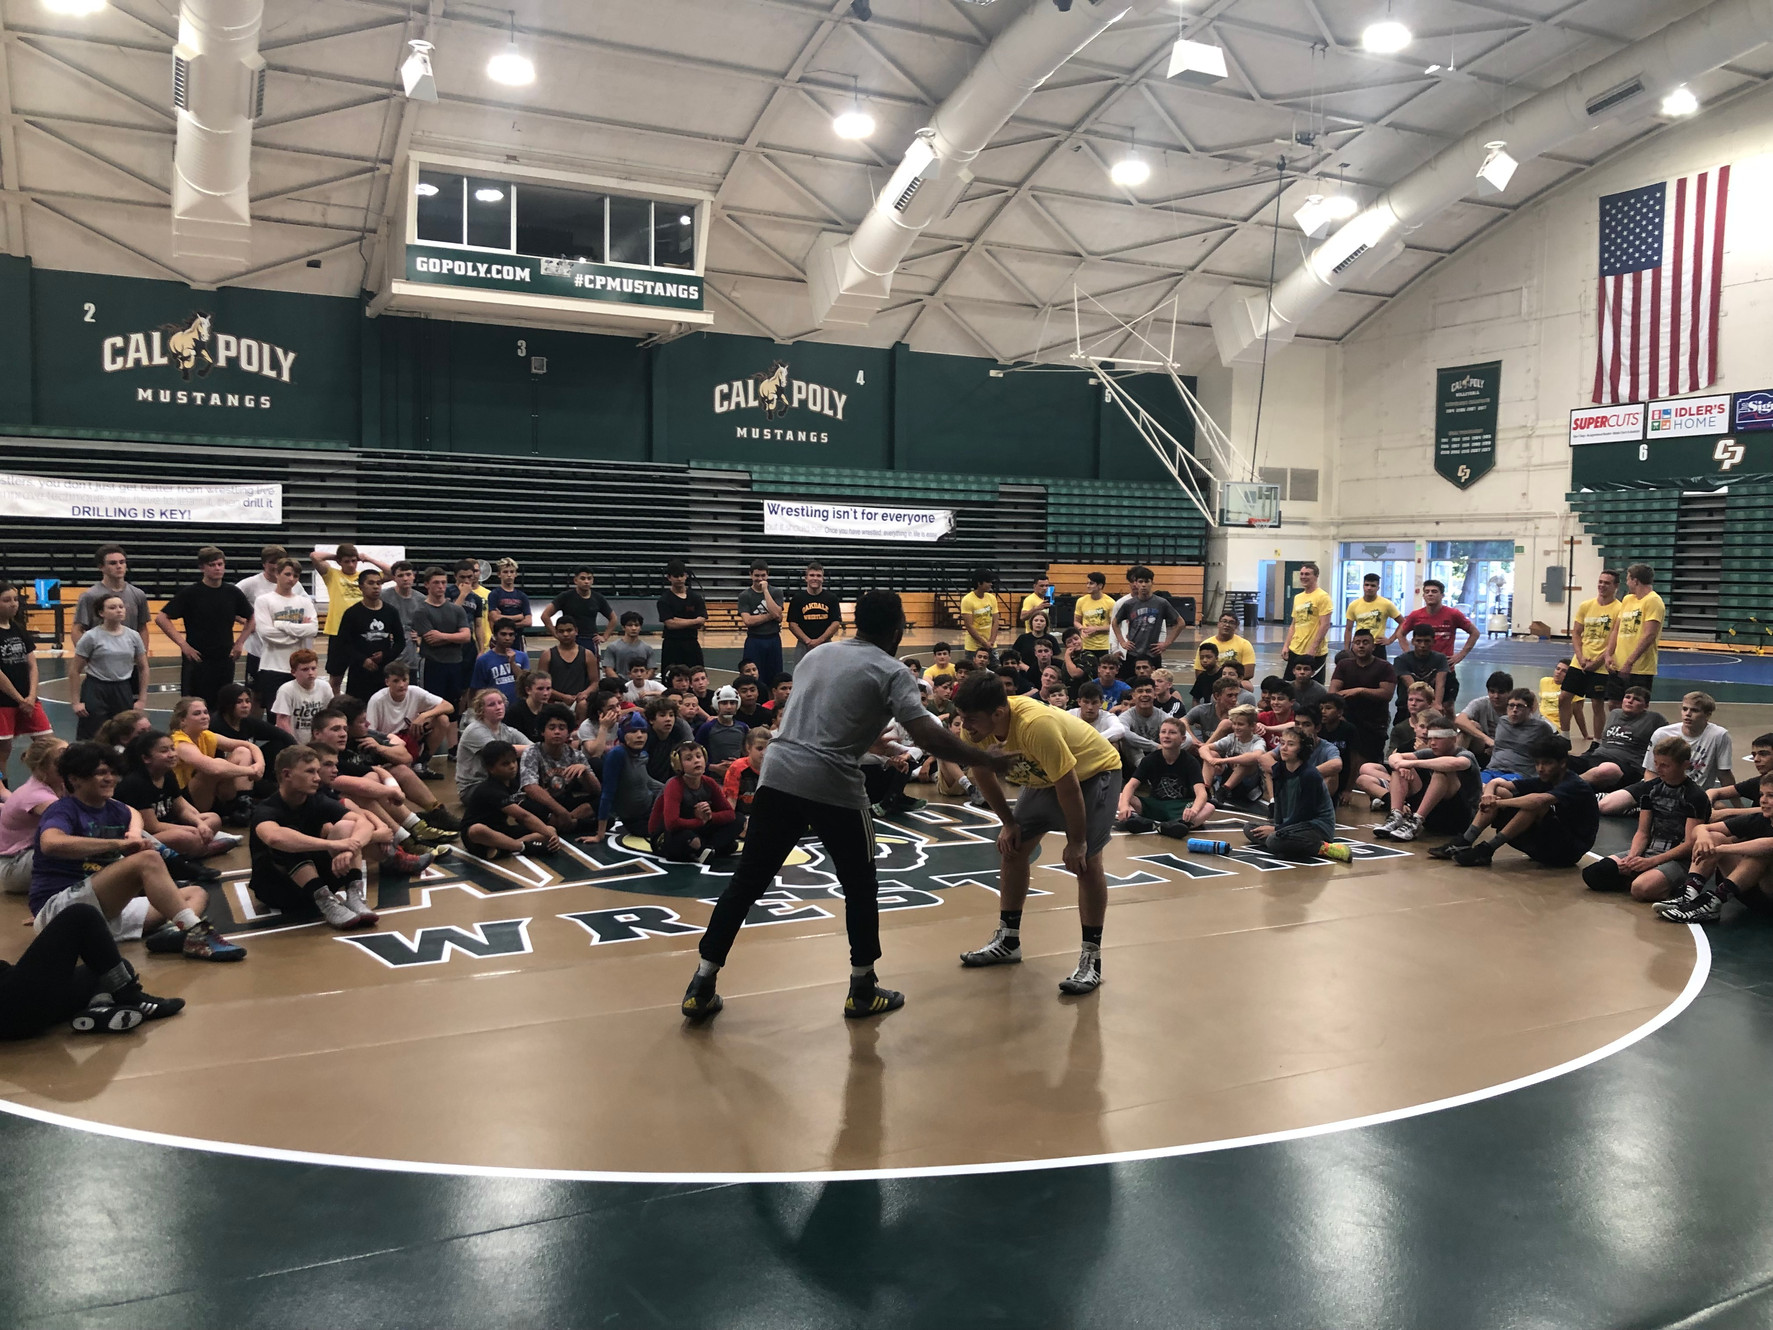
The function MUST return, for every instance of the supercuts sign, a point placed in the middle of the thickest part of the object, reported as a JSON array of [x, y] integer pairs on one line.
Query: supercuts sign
[[1611, 424], [182, 363]]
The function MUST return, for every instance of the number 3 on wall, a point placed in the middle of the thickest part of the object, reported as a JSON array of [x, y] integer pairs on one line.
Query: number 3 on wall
[[522, 347], [91, 309]]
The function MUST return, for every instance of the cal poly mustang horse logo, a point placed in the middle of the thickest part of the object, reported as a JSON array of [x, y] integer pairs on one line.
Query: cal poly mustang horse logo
[[189, 345], [772, 390]]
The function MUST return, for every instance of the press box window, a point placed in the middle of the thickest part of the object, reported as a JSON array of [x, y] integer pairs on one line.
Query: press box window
[[489, 214], [631, 231], [674, 236], [559, 223], [441, 214]]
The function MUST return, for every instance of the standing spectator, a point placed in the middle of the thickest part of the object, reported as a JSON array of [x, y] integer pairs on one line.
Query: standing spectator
[[622, 654], [683, 613], [1365, 686], [371, 638], [582, 604], [20, 711], [569, 667], [978, 613], [443, 633], [466, 592], [814, 615], [497, 666], [1631, 654], [406, 598], [1589, 679], [505, 603], [252, 588], [1372, 612], [1091, 614], [1037, 600], [339, 571], [1312, 609], [761, 614], [109, 669], [217, 619], [304, 697], [113, 581], [285, 620], [1446, 623], [1151, 622]]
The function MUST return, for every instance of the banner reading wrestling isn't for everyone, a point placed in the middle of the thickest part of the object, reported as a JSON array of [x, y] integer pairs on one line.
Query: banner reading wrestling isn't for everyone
[[58, 497], [838, 521]]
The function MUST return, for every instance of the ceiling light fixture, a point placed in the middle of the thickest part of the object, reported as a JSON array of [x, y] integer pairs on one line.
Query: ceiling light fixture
[[425, 189], [1387, 36], [487, 194], [415, 73], [1680, 102], [1198, 63], [1130, 171], [1498, 168], [854, 123], [1320, 209], [74, 8], [511, 66]]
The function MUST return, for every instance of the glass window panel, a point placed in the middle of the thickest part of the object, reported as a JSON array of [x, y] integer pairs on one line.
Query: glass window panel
[[674, 235], [630, 231], [440, 206], [489, 213], [559, 223]]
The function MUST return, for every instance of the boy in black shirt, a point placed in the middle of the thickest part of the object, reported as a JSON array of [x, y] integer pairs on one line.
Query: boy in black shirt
[[684, 614], [1551, 816], [1730, 860], [496, 819], [217, 618], [569, 667], [582, 605], [1761, 754], [307, 852], [814, 615], [1175, 799], [1671, 807], [1335, 730], [370, 638], [1420, 664]]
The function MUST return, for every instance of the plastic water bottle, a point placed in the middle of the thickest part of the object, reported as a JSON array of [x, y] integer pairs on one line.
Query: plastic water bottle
[[1200, 845]]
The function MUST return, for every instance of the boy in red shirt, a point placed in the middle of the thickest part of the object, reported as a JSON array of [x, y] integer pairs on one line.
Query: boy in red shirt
[[691, 819]]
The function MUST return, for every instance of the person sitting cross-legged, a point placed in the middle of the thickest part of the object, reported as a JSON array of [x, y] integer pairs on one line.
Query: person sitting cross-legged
[[496, 818], [1549, 816], [307, 848], [1435, 789], [1232, 763], [691, 819], [555, 779], [91, 851], [1167, 791], [1304, 823], [629, 789], [1671, 808], [1730, 859], [1320, 752], [184, 834]]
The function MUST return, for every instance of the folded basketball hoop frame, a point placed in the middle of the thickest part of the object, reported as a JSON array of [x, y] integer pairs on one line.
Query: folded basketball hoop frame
[[1223, 460]]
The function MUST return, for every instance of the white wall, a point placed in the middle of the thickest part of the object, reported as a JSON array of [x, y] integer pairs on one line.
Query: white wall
[[1526, 295]]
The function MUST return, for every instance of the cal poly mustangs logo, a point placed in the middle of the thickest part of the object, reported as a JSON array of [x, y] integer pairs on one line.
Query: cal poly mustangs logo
[[192, 349], [775, 392]]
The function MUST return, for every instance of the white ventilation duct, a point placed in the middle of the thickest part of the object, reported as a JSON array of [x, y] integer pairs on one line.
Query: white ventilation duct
[[851, 277], [218, 90], [1631, 82]]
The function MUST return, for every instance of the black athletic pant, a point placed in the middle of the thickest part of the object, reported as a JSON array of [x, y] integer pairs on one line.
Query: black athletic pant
[[884, 783], [58, 974], [205, 678], [778, 821]]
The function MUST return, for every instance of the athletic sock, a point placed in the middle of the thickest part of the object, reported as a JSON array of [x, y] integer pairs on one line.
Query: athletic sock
[[186, 920], [1092, 938], [1499, 840], [412, 820], [1011, 922], [1470, 835], [401, 835], [1695, 882], [860, 972], [116, 980], [706, 967]]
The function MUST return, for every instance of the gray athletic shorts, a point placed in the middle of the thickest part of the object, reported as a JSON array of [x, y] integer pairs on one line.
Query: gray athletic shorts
[[1037, 811], [126, 926]]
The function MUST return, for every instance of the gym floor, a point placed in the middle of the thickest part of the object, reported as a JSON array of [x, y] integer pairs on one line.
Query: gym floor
[[1384, 1093]]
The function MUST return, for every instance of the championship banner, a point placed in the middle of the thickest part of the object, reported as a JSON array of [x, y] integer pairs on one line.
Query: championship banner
[[1465, 402], [831, 521], [67, 500]]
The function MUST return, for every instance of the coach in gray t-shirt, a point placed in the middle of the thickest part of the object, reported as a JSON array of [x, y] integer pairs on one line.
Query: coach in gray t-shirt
[[844, 695]]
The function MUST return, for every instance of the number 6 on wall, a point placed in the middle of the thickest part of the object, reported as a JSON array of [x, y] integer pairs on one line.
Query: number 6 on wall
[[1643, 452]]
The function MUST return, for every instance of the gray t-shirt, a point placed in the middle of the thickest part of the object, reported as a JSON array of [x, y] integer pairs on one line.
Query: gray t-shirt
[[1626, 739], [1143, 728], [1712, 753], [448, 617], [110, 656], [1144, 621], [619, 654], [470, 770], [135, 606], [751, 602], [844, 694], [1514, 743], [1205, 718], [1485, 715], [405, 605]]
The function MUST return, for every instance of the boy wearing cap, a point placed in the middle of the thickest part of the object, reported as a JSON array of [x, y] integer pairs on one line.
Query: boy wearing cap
[[724, 735], [339, 570]]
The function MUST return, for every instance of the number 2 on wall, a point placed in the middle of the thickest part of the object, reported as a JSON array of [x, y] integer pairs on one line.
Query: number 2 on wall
[[91, 309]]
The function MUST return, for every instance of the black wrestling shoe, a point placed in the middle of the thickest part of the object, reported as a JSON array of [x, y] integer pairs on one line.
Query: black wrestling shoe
[[868, 998], [700, 1001]]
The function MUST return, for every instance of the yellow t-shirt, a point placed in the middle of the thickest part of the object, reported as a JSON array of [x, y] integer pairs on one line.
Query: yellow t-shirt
[[1634, 613], [1549, 688], [203, 743], [1047, 742], [1031, 603], [1308, 608], [977, 614], [932, 671], [1372, 615], [1594, 622], [341, 594], [1090, 613], [1237, 649]]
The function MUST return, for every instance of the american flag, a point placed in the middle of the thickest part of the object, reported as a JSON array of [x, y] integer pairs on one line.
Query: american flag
[[1661, 281]]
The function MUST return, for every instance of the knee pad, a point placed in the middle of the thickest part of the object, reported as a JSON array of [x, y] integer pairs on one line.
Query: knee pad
[[1604, 876]]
